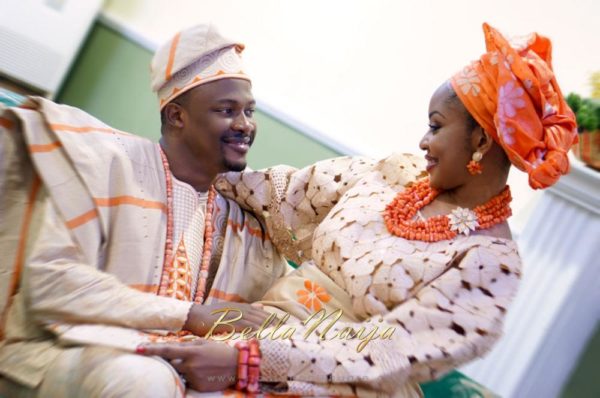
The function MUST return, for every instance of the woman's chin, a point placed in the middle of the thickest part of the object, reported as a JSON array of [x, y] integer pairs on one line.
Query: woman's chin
[[433, 181]]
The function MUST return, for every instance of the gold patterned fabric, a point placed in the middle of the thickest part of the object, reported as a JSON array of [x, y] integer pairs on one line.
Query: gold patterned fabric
[[445, 301]]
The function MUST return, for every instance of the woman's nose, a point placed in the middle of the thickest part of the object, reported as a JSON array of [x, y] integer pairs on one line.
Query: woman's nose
[[424, 143]]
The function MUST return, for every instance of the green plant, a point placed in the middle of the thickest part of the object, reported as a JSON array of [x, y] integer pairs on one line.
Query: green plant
[[586, 110], [574, 101]]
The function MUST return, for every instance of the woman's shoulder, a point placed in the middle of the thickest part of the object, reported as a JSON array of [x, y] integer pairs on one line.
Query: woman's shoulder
[[404, 161], [497, 243], [501, 231], [400, 169], [495, 254]]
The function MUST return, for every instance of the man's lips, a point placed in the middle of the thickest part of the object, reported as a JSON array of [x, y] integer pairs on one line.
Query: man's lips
[[431, 162], [239, 143]]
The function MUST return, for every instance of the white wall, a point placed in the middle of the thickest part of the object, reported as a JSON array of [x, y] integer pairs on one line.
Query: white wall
[[362, 72]]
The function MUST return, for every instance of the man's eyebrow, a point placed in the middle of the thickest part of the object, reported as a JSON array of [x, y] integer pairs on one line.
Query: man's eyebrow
[[232, 101]]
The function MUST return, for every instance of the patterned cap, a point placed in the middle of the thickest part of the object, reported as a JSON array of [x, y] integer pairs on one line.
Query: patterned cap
[[194, 56]]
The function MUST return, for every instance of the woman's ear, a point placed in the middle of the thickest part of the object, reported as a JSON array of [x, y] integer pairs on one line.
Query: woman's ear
[[481, 140]]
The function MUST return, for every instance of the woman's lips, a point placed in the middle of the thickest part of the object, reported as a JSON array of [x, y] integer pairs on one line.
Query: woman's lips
[[431, 162]]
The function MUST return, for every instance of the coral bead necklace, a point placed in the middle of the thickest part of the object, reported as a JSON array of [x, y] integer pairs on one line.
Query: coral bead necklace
[[170, 277], [399, 215]]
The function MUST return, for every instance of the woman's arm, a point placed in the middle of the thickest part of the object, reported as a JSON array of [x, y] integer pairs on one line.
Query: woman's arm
[[451, 320], [293, 202]]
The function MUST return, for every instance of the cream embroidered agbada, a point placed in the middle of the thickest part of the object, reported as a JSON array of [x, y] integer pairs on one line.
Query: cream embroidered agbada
[[83, 231]]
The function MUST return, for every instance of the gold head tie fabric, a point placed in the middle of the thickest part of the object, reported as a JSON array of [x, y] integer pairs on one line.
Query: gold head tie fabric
[[511, 91]]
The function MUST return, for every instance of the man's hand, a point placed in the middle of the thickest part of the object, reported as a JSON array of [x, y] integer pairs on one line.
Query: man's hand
[[206, 365], [200, 320]]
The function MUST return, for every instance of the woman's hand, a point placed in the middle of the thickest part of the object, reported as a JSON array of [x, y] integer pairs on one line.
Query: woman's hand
[[200, 318], [206, 365]]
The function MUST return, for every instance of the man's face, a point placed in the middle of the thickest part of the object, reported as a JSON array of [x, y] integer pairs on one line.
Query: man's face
[[218, 123]]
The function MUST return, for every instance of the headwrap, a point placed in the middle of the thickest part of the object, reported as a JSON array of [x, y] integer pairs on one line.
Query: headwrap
[[512, 93], [194, 56]]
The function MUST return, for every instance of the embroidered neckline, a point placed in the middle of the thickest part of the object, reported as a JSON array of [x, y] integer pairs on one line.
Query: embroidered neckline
[[176, 279]]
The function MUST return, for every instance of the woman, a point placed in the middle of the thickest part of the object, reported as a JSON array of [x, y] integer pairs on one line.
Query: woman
[[419, 252]]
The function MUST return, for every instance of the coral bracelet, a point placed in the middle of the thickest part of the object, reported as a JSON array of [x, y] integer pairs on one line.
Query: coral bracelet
[[248, 371]]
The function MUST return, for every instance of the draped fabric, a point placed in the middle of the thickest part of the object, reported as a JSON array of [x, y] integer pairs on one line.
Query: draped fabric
[[512, 92]]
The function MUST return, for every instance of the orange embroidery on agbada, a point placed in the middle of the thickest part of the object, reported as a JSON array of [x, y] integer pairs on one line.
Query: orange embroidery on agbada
[[180, 275], [131, 201], [20, 255], [6, 123], [172, 282], [89, 129], [313, 296], [37, 148]]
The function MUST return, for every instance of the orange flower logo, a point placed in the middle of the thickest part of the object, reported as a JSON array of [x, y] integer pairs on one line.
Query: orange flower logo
[[313, 296]]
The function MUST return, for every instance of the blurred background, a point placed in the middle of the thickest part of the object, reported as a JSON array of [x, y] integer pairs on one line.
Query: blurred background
[[355, 77]]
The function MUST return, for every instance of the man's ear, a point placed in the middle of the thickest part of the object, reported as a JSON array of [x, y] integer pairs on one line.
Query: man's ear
[[174, 115]]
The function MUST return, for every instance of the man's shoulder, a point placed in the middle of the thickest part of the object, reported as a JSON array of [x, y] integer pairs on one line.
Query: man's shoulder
[[82, 134]]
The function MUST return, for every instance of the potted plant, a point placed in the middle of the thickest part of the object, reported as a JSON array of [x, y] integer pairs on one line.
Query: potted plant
[[587, 111]]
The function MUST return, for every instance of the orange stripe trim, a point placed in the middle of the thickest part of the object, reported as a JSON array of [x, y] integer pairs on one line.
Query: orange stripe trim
[[174, 44], [36, 148], [145, 288], [239, 394], [221, 295], [19, 258], [6, 123], [179, 384], [82, 219], [114, 201], [87, 129], [252, 231], [35, 187], [130, 200]]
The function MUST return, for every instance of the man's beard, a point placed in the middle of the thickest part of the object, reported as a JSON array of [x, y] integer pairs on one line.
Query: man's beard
[[234, 166], [237, 166]]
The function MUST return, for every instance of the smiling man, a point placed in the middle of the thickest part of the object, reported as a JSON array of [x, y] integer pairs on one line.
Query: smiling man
[[209, 130], [107, 228]]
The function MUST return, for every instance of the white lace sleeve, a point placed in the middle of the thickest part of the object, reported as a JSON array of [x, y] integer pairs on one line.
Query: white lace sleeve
[[293, 202], [452, 319]]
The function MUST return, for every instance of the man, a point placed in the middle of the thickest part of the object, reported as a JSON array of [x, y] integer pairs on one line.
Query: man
[[100, 227]]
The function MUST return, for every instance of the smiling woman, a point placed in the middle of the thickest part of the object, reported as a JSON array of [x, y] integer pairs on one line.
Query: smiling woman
[[451, 141], [464, 163]]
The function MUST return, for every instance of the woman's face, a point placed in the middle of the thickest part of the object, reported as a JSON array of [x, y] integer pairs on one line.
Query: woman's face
[[447, 143]]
